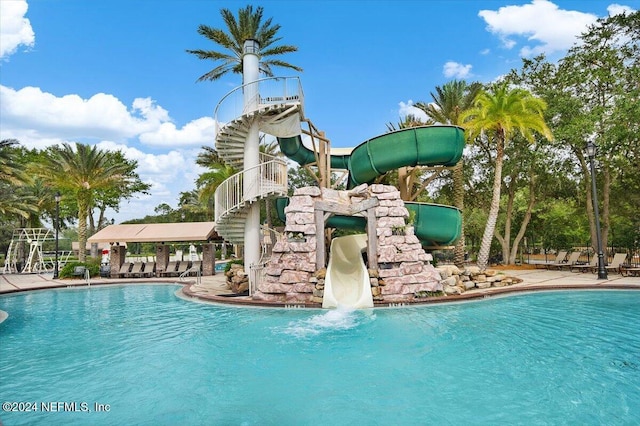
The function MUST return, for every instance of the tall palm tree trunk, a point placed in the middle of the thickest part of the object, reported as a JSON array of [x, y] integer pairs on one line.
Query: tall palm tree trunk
[[83, 213], [458, 201], [487, 237]]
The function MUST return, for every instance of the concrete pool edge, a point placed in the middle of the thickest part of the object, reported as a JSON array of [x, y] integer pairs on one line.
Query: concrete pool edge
[[533, 280], [467, 297]]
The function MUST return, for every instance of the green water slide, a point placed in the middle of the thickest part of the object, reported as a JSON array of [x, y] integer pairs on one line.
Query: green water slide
[[434, 224]]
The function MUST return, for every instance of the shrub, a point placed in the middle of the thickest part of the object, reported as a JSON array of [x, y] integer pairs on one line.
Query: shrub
[[67, 270], [227, 268]]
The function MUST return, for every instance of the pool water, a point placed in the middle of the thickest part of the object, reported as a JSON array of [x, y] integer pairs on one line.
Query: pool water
[[154, 359], [220, 266]]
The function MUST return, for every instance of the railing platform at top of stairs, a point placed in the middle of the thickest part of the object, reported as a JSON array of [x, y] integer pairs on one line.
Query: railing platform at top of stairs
[[271, 90]]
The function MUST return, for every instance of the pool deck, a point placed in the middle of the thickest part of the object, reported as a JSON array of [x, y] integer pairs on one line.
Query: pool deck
[[213, 288]]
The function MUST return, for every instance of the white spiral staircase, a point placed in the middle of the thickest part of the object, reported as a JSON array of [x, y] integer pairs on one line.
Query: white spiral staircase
[[278, 110]]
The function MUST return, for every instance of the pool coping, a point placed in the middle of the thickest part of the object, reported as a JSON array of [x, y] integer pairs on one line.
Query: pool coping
[[468, 296], [210, 288]]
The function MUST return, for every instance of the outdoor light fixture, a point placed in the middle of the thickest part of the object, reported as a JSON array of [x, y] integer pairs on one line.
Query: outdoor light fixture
[[57, 226], [251, 46], [591, 153], [591, 149]]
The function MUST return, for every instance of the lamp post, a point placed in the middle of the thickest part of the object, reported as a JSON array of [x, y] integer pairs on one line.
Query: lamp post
[[57, 225], [591, 153]]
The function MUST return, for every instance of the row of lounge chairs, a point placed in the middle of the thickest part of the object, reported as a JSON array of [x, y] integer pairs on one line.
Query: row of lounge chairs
[[573, 264], [148, 269]]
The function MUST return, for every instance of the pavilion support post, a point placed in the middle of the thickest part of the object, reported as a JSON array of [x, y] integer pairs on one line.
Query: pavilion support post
[[116, 259], [208, 259], [162, 258]]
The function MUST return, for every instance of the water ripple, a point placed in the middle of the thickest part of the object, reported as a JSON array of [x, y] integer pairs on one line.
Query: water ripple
[[552, 358]]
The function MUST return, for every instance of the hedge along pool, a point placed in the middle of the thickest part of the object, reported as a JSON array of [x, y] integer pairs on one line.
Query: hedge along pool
[[152, 358]]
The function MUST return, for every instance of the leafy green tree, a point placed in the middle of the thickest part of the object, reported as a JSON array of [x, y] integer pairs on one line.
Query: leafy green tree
[[124, 189], [79, 173], [599, 81], [498, 115], [299, 177], [248, 25], [191, 208]]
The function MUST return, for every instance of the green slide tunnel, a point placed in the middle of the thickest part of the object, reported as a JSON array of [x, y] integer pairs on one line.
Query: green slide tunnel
[[434, 224]]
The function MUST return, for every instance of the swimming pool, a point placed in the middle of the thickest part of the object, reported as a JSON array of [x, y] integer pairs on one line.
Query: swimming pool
[[544, 358]]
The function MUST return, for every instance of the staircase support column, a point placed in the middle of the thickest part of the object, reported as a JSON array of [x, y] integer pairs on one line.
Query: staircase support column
[[250, 74], [252, 224]]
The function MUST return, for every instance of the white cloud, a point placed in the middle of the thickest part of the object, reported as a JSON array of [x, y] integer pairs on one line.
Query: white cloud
[[39, 119], [455, 70], [546, 27], [165, 167], [30, 114], [618, 9], [407, 108], [69, 116], [15, 29], [197, 132]]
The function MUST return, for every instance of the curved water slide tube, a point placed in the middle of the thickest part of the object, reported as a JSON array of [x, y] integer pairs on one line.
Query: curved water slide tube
[[434, 225]]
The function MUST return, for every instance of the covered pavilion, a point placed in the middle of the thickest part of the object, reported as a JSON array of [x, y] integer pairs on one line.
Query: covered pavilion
[[159, 233]]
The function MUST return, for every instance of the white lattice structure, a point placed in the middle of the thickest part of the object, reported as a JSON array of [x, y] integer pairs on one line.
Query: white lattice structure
[[34, 262]]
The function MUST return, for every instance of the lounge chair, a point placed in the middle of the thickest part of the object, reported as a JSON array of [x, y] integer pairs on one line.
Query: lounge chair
[[592, 266], [124, 270], [136, 270], [182, 267], [196, 266], [616, 263], [149, 269], [170, 269], [562, 254], [629, 271], [573, 258]]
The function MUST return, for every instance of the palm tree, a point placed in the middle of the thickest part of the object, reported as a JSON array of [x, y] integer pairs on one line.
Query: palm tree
[[11, 171], [448, 104], [248, 26], [79, 173], [14, 202], [498, 115], [209, 181], [208, 157]]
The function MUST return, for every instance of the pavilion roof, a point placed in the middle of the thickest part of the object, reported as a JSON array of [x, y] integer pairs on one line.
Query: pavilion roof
[[155, 232]]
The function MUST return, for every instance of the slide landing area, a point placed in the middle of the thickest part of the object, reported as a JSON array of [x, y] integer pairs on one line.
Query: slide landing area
[[347, 279]]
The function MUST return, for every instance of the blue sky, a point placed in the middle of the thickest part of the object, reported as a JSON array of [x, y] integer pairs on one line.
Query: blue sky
[[115, 72]]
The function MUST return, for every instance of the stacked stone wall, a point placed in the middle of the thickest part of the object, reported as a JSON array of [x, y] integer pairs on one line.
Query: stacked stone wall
[[401, 269], [458, 281]]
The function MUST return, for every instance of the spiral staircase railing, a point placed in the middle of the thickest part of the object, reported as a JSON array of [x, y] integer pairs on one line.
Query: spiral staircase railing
[[279, 99], [272, 90], [271, 180]]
